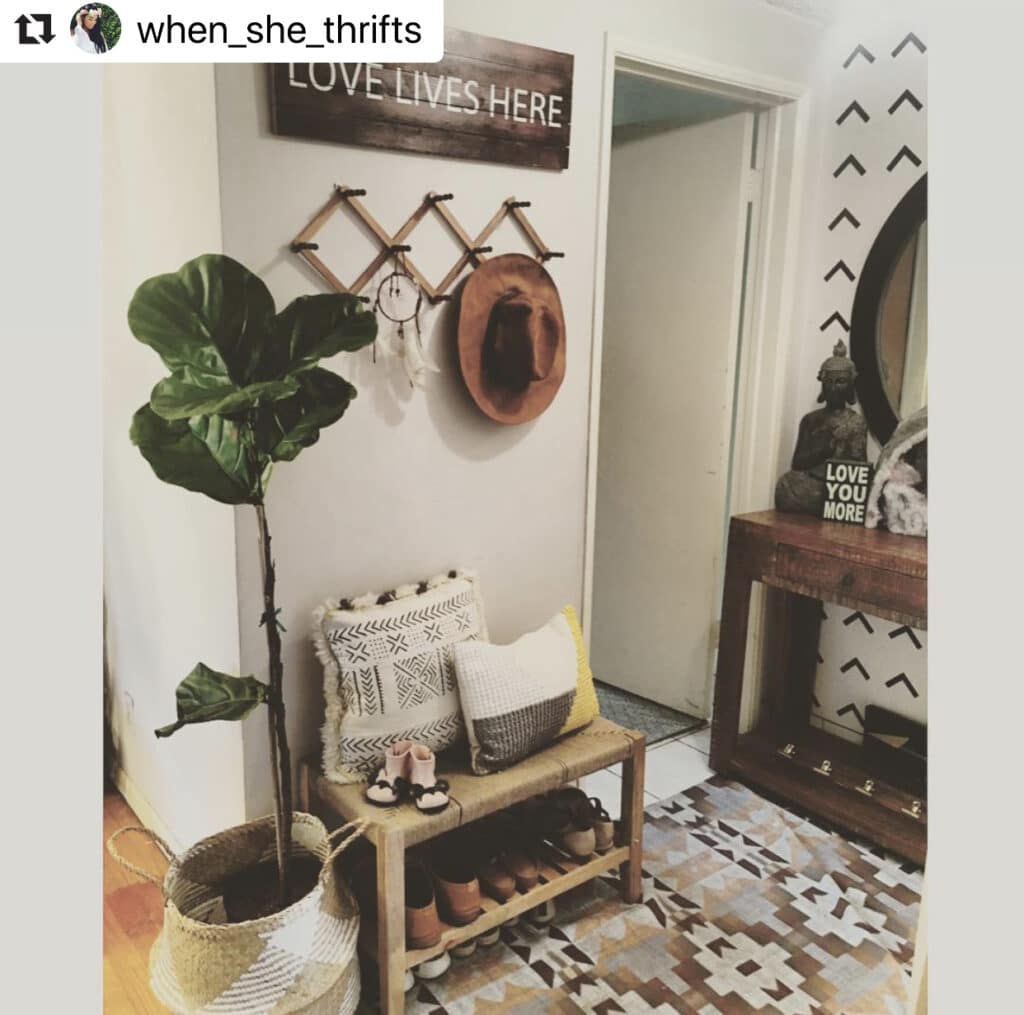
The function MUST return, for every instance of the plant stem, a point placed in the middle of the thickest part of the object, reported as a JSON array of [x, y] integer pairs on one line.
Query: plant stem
[[280, 756]]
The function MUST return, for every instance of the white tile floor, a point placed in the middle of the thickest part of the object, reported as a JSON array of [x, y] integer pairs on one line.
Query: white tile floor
[[672, 766]]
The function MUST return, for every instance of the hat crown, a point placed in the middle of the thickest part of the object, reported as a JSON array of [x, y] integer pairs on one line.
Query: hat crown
[[521, 341]]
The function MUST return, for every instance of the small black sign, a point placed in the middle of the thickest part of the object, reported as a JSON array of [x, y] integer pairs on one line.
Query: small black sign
[[846, 491]]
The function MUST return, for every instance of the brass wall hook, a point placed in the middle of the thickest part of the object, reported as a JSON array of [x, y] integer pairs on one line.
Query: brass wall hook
[[825, 768], [868, 788]]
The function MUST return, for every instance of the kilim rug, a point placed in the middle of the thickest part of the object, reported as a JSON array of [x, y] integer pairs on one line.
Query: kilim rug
[[747, 908]]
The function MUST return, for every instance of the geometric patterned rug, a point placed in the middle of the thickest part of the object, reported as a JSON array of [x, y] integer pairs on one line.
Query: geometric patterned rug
[[747, 908]]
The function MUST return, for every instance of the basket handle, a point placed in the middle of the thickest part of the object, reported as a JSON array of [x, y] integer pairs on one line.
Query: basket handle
[[153, 837], [352, 831]]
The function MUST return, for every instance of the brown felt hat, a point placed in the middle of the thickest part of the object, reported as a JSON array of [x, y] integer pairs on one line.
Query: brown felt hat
[[511, 338]]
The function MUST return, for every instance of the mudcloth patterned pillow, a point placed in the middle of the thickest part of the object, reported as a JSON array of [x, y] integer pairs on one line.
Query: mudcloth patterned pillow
[[388, 670], [517, 698]]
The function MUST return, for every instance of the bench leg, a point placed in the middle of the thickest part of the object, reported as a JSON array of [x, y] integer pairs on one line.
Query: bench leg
[[391, 921], [630, 873]]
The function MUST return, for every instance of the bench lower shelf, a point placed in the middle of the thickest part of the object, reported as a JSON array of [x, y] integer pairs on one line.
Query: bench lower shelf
[[558, 874]]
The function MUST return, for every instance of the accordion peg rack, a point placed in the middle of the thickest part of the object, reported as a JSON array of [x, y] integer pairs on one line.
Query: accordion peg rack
[[474, 252]]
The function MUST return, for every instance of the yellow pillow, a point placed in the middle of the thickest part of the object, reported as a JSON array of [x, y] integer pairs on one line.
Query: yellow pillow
[[584, 707]]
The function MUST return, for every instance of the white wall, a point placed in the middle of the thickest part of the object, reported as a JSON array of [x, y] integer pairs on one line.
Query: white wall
[[876, 85], [169, 555], [408, 483]]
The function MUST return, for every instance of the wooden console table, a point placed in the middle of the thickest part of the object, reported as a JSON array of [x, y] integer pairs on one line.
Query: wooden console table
[[809, 561], [393, 829]]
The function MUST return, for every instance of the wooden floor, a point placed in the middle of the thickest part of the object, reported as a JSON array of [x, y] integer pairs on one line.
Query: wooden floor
[[132, 913]]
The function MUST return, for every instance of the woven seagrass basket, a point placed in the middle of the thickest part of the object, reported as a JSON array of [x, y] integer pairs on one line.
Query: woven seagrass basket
[[299, 961]]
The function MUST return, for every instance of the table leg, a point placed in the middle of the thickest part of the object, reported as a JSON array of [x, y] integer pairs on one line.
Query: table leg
[[631, 872], [391, 920], [732, 654]]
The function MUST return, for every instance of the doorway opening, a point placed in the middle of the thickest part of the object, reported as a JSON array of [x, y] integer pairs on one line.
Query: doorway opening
[[685, 257]]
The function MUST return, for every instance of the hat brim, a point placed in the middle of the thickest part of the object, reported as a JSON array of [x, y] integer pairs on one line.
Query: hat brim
[[492, 280]]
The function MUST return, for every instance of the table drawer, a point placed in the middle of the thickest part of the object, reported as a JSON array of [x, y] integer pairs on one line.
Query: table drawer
[[838, 577]]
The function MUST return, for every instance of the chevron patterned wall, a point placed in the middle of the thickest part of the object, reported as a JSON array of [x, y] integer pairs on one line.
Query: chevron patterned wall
[[873, 150]]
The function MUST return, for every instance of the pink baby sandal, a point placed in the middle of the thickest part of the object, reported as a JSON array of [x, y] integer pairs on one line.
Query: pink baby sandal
[[392, 782], [430, 793]]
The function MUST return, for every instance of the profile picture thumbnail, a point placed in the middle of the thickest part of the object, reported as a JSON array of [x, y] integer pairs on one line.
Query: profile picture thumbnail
[[95, 28]]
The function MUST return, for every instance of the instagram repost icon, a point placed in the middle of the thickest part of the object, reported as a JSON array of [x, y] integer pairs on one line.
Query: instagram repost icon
[[95, 28]]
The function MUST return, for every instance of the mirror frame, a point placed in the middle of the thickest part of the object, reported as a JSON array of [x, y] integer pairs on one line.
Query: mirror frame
[[906, 217]]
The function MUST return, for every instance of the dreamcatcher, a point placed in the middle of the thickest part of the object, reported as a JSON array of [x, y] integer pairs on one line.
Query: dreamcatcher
[[400, 300]]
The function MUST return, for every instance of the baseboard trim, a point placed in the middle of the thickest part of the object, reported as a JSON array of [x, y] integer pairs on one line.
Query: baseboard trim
[[143, 809]]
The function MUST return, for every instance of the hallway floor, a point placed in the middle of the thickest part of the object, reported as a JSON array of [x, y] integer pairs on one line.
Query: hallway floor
[[672, 766], [132, 907]]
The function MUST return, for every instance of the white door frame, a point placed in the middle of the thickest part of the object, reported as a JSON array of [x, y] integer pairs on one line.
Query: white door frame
[[770, 320]]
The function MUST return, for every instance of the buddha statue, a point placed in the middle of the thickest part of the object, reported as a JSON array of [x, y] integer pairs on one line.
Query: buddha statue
[[836, 431]]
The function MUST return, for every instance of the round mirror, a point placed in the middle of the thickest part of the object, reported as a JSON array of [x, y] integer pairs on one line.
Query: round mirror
[[889, 326]]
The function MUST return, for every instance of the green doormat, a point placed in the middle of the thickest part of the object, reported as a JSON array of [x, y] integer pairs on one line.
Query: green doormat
[[659, 722], [747, 908]]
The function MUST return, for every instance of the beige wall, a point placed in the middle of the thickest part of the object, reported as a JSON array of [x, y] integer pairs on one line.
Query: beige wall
[[410, 483], [169, 555]]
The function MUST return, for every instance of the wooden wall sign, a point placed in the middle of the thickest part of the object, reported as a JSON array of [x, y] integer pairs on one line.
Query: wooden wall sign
[[846, 490], [487, 99]]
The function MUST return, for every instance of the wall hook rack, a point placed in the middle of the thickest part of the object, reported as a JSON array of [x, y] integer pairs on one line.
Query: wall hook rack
[[474, 249]]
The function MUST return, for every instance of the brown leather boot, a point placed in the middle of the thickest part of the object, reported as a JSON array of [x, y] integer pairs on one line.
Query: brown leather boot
[[456, 885], [422, 926]]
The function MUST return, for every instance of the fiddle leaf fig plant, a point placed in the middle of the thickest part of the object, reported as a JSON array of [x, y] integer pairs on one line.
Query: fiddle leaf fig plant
[[245, 390]]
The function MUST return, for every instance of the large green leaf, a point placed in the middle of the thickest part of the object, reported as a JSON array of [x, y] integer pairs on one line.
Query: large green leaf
[[205, 695], [284, 428], [207, 455], [231, 447], [312, 328], [188, 393], [212, 315]]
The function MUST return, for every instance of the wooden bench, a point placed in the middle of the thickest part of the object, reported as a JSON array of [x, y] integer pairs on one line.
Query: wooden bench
[[393, 829]]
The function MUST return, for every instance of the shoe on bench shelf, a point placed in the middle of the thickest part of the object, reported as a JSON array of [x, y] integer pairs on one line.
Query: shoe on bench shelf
[[422, 925], [456, 886]]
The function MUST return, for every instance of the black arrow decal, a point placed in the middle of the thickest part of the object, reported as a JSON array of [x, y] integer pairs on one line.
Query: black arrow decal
[[855, 664], [840, 265], [853, 107], [910, 38], [821, 659], [853, 617], [848, 216], [856, 711], [902, 678], [909, 632], [24, 39], [861, 52], [903, 153], [907, 96], [836, 317], [849, 161], [46, 20]]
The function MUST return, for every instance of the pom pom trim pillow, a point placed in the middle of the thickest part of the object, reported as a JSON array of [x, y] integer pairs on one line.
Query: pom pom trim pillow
[[517, 698], [389, 674]]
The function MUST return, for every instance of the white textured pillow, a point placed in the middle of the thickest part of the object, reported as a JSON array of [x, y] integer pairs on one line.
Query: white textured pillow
[[388, 670], [516, 698]]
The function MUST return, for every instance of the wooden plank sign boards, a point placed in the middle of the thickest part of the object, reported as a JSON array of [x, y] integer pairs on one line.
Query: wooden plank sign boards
[[486, 99]]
